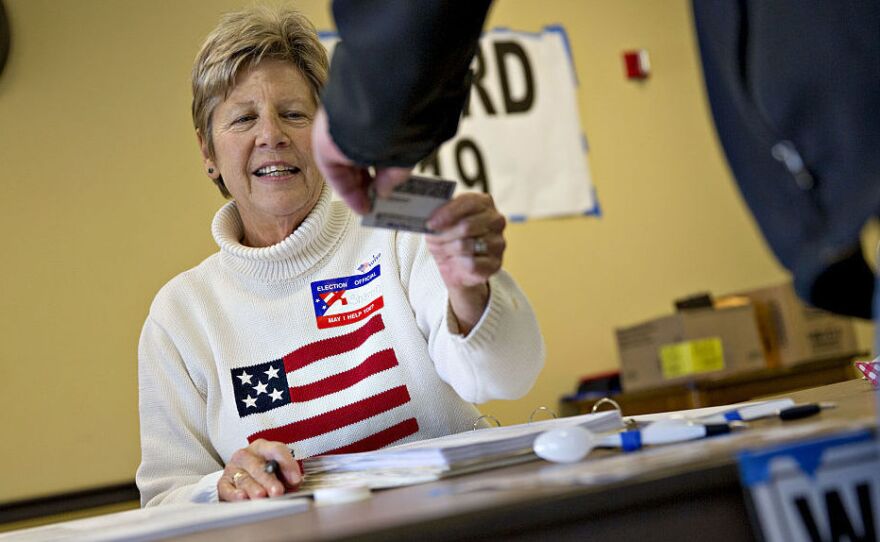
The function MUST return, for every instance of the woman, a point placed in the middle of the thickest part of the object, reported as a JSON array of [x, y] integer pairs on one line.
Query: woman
[[307, 333]]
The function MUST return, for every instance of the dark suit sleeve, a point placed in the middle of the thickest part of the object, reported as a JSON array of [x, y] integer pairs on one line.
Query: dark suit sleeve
[[400, 76], [794, 87]]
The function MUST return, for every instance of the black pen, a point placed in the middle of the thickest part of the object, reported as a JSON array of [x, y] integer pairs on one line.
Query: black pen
[[271, 467], [802, 411]]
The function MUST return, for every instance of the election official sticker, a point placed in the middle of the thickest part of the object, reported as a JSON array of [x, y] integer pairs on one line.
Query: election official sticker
[[346, 300]]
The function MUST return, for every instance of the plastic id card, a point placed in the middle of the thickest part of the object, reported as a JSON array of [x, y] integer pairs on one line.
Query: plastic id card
[[816, 490]]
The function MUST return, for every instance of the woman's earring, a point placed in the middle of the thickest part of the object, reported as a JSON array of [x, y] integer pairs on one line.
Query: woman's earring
[[210, 170]]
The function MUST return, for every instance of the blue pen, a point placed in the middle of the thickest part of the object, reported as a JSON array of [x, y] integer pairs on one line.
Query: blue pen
[[748, 412], [785, 409], [663, 432]]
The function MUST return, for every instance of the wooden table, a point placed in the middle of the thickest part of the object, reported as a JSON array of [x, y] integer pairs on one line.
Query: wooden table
[[723, 391], [687, 499]]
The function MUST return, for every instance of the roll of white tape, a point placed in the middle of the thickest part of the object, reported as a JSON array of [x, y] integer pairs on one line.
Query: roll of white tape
[[338, 495]]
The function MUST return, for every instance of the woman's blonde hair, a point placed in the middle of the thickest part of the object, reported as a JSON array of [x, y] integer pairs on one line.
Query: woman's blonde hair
[[240, 41]]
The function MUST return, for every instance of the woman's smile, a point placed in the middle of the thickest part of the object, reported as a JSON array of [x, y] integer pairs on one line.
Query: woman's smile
[[276, 171]]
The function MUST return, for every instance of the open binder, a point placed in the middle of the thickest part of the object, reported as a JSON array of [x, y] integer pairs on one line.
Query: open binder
[[432, 459]]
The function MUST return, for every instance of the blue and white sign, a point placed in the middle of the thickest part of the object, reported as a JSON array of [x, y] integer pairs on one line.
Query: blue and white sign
[[818, 490]]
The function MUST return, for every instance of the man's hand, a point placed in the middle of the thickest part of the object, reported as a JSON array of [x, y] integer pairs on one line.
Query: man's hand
[[349, 180]]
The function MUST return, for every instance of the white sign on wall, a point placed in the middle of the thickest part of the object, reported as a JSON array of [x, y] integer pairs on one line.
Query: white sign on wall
[[520, 136]]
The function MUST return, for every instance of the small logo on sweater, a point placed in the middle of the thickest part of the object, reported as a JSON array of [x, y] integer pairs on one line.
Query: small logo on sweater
[[346, 300], [368, 264], [260, 388]]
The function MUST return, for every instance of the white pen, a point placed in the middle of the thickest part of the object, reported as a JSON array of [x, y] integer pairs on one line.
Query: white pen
[[748, 412], [662, 432], [783, 408]]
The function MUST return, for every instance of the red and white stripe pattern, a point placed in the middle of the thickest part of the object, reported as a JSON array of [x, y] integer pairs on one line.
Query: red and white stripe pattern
[[347, 391], [871, 370]]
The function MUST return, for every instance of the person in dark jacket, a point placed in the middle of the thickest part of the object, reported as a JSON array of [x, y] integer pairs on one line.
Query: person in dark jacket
[[794, 87]]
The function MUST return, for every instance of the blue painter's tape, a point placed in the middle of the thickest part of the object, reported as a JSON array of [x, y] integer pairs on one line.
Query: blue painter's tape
[[327, 34], [631, 440], [508, 30], [733, 416], [597, 209], [754, 466], [517, 218]]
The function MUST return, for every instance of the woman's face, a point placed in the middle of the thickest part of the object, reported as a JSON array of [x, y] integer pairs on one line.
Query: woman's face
[[262, 148]]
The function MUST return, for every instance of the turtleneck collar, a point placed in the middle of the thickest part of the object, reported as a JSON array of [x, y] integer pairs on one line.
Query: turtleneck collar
[[299, 252]]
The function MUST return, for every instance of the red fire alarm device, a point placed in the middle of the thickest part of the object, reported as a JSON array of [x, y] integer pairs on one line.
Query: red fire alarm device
[[637, 64]]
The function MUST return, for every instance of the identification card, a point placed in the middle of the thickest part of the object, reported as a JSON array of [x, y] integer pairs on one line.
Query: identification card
[[410, 204]]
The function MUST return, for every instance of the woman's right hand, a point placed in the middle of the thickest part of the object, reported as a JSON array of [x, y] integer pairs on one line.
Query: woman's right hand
[[245, 477]]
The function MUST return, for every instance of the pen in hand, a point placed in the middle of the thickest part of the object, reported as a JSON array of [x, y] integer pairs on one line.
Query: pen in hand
[[271, 467]]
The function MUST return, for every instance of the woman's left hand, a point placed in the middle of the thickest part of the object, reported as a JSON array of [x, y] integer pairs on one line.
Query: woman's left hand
[[468, 246], [245, 476]]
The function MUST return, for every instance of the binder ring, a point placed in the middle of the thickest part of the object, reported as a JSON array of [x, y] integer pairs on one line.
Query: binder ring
[[545, 409], [629, 422], [486, 417], [606, 401]]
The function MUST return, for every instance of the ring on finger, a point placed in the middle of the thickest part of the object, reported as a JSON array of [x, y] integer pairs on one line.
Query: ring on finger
[[238, 476], [481, 248]]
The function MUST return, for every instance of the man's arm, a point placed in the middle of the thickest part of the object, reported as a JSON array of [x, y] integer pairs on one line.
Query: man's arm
[[398, 82]]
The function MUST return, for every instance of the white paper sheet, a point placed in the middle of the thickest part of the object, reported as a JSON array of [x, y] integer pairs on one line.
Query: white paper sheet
[[162, 521]]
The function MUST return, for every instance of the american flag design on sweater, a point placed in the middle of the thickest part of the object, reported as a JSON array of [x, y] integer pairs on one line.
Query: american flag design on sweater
[[342, 384]]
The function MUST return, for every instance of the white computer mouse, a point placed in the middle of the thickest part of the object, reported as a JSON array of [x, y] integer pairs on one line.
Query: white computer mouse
[[564, 444]]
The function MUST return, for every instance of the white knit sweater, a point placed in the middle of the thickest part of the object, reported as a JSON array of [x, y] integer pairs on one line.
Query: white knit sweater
[[338, 338]]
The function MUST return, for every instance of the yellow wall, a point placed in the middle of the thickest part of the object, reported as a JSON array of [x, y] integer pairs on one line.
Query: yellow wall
[[104, 200]]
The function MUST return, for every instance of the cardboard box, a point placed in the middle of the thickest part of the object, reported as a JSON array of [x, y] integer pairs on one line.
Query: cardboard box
[[696, 344], [794, 332]]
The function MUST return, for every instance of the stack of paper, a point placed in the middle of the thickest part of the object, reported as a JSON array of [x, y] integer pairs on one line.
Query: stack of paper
[[432, 459]]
